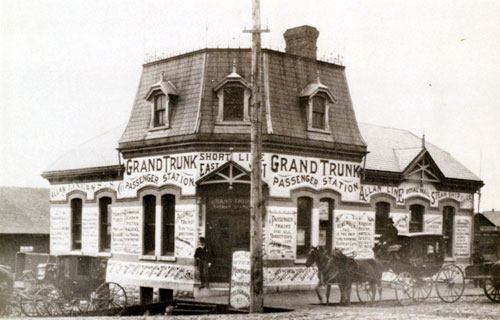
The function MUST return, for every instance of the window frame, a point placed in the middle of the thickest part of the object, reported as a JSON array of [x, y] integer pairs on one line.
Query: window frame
[[381, 216], [304, 222], [104, 234], [149, 225], [76, 205], [315, 112], [448, 245], [327, 224], [222, 104], [416, 221], [168, 225]]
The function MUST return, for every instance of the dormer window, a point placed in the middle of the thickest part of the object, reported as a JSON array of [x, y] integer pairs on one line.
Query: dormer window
[[162, 97], [159, 110], [318, 99], [233, 93]]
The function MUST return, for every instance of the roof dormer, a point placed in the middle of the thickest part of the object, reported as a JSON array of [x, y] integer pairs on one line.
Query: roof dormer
[[162, 96], [233, 93], [318, 100]]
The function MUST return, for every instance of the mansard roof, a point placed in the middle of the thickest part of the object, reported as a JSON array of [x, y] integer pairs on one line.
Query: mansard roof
[[394, 150], [196, 74]]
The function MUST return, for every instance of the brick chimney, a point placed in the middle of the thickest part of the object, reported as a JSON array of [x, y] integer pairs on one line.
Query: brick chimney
[[301, 41]]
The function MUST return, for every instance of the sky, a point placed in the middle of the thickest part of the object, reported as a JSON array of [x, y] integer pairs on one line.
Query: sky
[[70, 69]]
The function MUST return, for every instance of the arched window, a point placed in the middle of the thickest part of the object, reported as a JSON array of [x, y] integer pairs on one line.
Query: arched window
[[382, 210], [76, 224], [105, 223], [416, 218], [448, 224], [304, 212], [149, 229], [168, 233], [326, 207]]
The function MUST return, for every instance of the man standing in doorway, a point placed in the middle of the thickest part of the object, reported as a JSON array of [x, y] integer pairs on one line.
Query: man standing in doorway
[[203, 258]]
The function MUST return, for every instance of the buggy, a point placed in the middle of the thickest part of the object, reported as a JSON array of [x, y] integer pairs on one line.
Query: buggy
[[73, 284], [417, 261]]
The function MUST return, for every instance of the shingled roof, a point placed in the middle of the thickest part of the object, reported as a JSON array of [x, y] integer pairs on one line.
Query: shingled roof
[[393, 149], [24, 210]]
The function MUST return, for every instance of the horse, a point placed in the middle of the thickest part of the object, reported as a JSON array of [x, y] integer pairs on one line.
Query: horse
[[338, 268]]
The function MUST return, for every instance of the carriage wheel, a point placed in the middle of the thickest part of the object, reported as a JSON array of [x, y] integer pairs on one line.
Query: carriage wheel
[[29, 306], [364, 292], [404, 286], [450, 283], [422, 289], [109, 298], [50, 301], [491, 287]]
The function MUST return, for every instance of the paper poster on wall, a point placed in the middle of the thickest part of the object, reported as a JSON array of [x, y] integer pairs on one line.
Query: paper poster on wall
[[433, 223], [125, 230], [117, 224], [281, 227], [346, 231], [239, 291], [462, 236], [90, 230], [401, 222], [366, 234], [60, 230], [185, 231]]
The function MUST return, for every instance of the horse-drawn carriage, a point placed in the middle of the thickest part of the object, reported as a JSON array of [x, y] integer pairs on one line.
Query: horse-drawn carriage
[[489, 274], [416, 263], [73, 284]]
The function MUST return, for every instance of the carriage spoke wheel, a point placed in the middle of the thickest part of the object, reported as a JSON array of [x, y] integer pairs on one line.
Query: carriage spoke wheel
[[450, 283], [491, 287], [404, 286], [29, 306], [422, 289], [50, 301], [365, 293], [109, 298]]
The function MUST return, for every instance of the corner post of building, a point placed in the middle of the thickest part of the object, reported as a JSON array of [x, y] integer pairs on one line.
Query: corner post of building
[[256, 199]]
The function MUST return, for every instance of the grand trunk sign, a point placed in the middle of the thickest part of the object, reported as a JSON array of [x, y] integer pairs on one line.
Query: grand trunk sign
[[282, 173]]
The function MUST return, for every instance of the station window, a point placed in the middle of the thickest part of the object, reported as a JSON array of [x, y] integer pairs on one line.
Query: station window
[[233, 103], [326, 207], [149, 206], [168, 233], [76, 224], [304, 212], [318, 112], [448, 223], [159, 110], [416, 218], [105, 223], [382, 210]]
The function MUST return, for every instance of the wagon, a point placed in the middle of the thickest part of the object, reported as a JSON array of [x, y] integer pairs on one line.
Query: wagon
[[74, 284], [489, 274], [417, 261]]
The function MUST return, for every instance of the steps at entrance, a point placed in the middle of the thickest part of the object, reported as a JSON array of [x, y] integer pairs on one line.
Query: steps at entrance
[[215, 290]]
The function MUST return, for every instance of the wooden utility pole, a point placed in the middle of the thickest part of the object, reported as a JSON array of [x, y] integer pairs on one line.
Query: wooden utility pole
[[256, 199]]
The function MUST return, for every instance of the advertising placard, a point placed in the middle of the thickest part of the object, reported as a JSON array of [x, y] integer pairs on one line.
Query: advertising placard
[[239, 290], [281, 228]]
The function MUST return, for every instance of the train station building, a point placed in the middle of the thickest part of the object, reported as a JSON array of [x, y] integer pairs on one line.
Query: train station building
[[180, 169]]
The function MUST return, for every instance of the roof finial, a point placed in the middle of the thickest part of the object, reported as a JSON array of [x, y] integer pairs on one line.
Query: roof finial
[[423, 140], [317, 75], [234, 65]]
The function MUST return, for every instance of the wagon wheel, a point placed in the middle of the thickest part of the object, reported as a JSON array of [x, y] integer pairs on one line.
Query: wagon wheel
[[491, 287], [50, 301], [109, 298], [450, 283], [404, 287], [422, 289], [365, 293], [29, 306]]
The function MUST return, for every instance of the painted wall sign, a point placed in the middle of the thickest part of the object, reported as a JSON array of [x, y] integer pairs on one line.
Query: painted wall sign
[[90, 230], [125, 272], [346, 231], [281, 229], [462, 236], [125, 230], [290, 276], [366, 234], [239, 291], [433, 223], [58, 192], [60, 230], [185, 231], [407, 190], [281, 172]]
